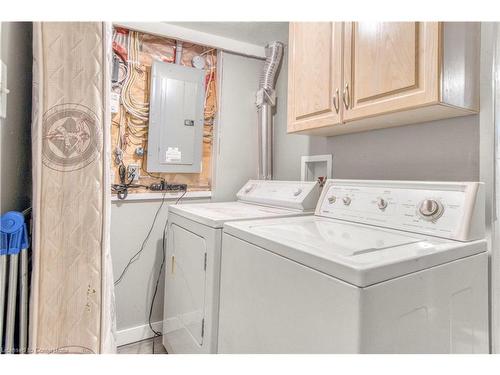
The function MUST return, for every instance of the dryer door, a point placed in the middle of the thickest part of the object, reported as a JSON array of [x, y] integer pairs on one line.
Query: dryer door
[[186, 281]]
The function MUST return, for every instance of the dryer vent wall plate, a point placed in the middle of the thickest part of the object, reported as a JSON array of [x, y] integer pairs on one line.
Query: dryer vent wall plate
[[315, 166]]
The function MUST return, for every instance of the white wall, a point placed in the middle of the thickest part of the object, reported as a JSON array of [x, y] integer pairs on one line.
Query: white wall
[[236, 147], [15, 141]]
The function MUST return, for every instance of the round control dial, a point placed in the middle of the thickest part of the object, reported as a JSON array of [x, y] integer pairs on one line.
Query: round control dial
[[347, 200], [430, 209], [297, 192], [332, 199], [381, 204]]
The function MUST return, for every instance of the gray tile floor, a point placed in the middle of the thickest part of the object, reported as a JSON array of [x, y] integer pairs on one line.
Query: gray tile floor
[[143, 347]]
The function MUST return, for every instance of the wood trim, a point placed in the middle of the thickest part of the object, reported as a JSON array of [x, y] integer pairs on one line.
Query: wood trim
[[419, 114]]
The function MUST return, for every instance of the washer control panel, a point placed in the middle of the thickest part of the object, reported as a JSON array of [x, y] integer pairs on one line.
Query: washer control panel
[[299, 195], [452, 210]]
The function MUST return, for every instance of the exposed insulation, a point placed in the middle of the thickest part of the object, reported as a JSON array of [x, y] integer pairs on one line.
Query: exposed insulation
[[134, 131]]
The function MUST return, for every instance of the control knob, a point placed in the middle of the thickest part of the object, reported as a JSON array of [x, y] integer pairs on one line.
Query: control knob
[[382, 204], [430, 209], [332, 199], [347, 200], [297, 192]]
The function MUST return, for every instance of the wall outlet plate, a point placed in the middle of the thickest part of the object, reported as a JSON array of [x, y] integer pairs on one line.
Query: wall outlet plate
[[133, 172], [314, 166]]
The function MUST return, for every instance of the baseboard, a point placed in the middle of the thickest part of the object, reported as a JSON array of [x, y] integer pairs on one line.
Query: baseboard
[[134, 334]]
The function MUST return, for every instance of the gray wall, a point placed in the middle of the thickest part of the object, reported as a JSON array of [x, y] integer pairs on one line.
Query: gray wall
[[130, 222], [439, 150], [15, 141], [288, 148]]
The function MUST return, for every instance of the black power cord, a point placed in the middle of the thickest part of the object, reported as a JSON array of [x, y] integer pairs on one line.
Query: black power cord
[[166, 188], [125, 184], [136, 255], [141, 249]]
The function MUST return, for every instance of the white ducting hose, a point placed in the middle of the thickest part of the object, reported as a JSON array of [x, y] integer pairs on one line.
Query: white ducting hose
[[266, 100], [178, 52]]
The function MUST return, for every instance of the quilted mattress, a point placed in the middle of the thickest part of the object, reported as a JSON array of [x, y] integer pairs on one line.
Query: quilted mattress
[[72, 301]]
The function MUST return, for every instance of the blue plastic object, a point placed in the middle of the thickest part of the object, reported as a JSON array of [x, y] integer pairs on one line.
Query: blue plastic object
[[13, 233]]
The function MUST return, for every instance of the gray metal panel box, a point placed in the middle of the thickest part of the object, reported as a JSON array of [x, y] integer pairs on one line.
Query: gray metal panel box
[[176, 113]]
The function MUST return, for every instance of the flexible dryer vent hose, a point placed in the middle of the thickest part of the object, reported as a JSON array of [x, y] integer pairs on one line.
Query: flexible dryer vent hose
[[274, 52], [266, 99]]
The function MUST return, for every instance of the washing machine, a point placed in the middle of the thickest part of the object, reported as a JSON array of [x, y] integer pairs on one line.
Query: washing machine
[[194, 239], [382, 267]]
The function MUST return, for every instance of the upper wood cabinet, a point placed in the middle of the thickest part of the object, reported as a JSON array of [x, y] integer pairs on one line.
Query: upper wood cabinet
[[385, 74], [389, 66], [314, 75]]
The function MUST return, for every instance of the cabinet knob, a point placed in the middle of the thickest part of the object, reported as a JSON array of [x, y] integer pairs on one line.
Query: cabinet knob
[[347, 200]]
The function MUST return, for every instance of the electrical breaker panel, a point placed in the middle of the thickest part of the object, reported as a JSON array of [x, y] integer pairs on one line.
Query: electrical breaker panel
[[175, 138]]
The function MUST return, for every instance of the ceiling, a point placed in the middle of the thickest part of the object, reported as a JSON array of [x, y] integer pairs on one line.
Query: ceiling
[[259, 33]]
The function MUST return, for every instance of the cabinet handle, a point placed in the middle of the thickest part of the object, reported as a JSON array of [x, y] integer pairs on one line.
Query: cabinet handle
[[345, 96], [336, 101]]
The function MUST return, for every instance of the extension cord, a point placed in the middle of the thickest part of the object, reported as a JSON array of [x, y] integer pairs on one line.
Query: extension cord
[[162, 186]]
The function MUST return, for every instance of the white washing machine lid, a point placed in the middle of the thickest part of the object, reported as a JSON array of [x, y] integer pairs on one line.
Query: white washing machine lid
[[216, 214], [359, 254]]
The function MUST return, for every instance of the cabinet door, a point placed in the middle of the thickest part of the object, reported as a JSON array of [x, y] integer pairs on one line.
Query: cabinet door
[[314, 75], [185, 289], [389, 66]]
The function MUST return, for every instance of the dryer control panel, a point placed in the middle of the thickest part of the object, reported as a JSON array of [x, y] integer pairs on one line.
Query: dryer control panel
[[298, 195], [453, 210]]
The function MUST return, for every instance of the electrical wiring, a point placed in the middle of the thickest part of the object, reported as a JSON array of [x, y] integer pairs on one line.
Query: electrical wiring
[[134, 51], [122, 75], [151, 175], [125, 184], [207, 51], [164, 250], [132, 105], [141, 249], [182, 196], [134, 258], [210, 91]]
